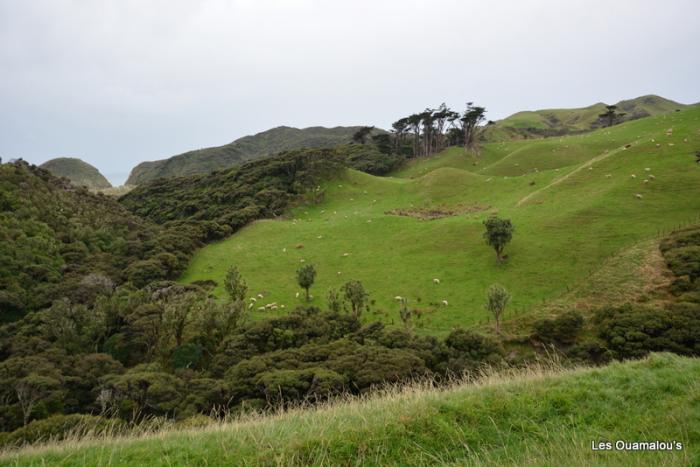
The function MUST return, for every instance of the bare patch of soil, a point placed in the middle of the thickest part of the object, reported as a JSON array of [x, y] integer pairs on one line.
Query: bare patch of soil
[[437, 212]]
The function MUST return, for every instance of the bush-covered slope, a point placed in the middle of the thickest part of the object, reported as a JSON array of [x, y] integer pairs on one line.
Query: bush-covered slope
[[58, 240], [267, 143], [80, 173], [257, 189], [535, 418], [558, 122]]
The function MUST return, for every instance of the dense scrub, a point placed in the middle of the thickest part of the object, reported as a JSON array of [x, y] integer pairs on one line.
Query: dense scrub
[[61, 241], [258, 189]]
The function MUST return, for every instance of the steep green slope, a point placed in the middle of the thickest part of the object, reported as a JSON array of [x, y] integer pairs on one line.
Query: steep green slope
[[572, 199], [557, 122], [268, 142], [535, 418], [80, 173]]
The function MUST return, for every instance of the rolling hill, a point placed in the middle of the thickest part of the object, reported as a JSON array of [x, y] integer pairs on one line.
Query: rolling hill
[[244, 149], [534, 417], [558, 122], [80, 173], [573, 201]]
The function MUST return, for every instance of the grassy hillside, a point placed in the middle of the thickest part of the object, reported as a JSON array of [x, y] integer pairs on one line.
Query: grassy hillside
[[202, 161], [532, 417], [572, 200], [556, 122], [80, 173]]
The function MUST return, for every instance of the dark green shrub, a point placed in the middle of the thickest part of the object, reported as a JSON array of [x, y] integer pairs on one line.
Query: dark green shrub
[[562, 329]]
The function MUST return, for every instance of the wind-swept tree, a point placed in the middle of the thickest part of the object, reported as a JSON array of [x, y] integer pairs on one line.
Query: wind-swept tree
[[361, 135], [611, 116], [471, 120]]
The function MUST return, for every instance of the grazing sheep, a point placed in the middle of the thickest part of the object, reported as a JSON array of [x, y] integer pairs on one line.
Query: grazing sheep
[[638, 196], [339, 273], [320, 237], [251, 305], [590, 167], [658, 145], [633, 176], [398, 297], [444, 303], [297, 295], [670, 144], [260, 295], [646, 181], [608, 176], [436, 281], [253, 299], [651, 177], [346, 254], [685, 140], [284, 250], [647, 169], [282, 306], [273, 307], [261, 308], [369, 221], [302, 260]]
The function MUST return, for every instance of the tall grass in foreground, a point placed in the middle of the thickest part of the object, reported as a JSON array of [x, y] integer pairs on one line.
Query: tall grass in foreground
[[543, 414]]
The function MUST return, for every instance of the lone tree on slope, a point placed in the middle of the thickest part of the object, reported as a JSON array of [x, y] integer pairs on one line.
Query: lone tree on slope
[[611, 116], [235, 285], [305, 278], [355, 294], [498, 233], [496, 300]]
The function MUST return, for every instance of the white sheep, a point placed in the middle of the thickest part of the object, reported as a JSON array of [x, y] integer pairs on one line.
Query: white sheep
[[608, 176], [260, 295], [638, 196], [251, 305], [320, 237], [646, 181], [339, 273], [273, 307], [284, 250], [436, 281], [297, 295], [647, 169], [253, 299], [444, 303], [651, 177], [302, 260], [633, 176], [398, 298], [282, 306], [346, 254], [261, 308]]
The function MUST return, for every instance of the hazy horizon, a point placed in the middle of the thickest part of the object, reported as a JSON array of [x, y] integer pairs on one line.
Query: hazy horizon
[[122, 82]]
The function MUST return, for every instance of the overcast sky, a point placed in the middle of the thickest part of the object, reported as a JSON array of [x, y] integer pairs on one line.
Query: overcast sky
[[117, 82]]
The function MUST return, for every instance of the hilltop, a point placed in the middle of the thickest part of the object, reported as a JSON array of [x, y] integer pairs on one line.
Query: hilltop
[[533, 417], [275, 140], [558, 122], [79, 172]]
